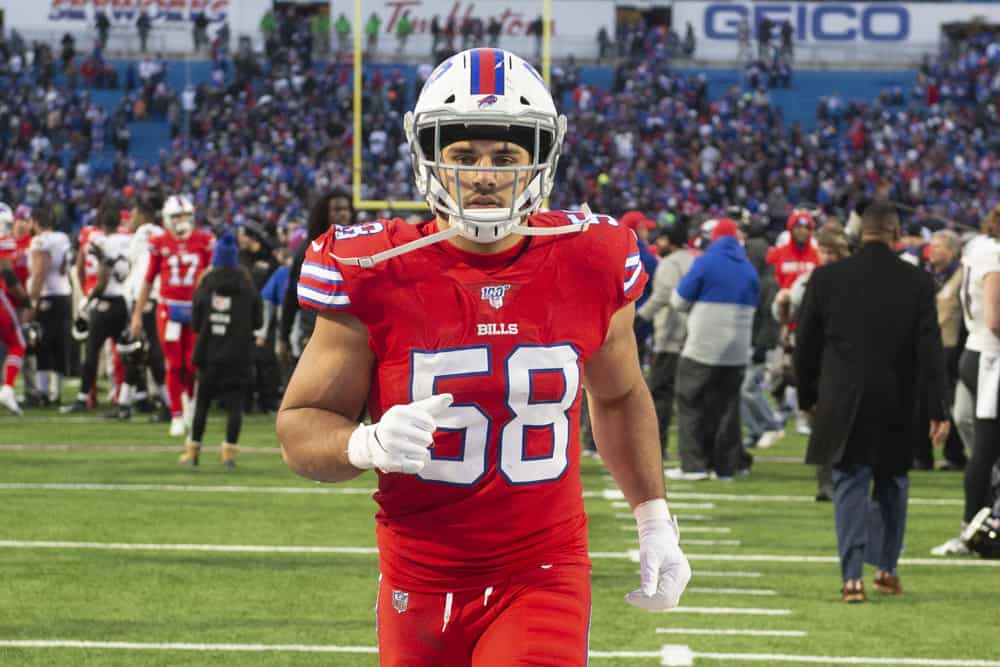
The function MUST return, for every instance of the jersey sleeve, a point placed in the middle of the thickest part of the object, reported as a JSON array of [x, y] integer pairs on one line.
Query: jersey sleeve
[[153, 267], [635, 276], [322, 285]]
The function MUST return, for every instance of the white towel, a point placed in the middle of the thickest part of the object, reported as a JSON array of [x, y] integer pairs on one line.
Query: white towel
[[988, 389]]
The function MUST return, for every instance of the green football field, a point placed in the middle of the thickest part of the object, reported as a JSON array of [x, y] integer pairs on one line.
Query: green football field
[[112, 555]]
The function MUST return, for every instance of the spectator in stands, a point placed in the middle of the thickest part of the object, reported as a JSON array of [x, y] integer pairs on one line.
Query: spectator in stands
[[342, 26], [868, 347], [689, 45], [493, 31], [669, 326], [199, 31], [143, 25], [764, 28], [372, 26], [404, 28], [226, 309], [68, 50], [103, 25], [721, 291], [321, 32]]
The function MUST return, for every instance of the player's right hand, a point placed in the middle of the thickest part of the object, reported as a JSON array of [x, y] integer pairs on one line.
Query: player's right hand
[[400, 441]]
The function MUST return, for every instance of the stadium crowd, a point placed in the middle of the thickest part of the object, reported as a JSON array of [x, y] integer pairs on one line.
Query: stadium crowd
[[264, 148]]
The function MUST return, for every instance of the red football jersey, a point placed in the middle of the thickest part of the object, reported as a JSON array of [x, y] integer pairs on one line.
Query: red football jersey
[[508, 336], [90, 264], [179, 262], [16, 252]]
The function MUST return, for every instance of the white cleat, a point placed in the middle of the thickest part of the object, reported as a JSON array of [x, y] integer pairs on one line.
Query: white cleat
[[953, 547], [177, 429], [679, 475], [9, 401], [769, 438]]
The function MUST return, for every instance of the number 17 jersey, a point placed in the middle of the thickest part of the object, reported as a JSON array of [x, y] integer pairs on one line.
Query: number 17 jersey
[[178, 263], [508, 335]]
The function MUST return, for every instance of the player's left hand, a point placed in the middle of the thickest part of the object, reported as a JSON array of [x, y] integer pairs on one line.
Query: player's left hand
[[663, 568]]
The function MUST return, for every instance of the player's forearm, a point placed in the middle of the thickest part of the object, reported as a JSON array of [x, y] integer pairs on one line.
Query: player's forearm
[[626, 435], [142, 299], [314, 443]]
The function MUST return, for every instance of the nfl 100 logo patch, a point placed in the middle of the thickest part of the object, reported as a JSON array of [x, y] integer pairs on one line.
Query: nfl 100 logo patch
[[400, 601], [495, 294]]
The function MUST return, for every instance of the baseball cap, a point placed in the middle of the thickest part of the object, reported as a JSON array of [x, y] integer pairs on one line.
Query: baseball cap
[[635, 220], [725, 227]]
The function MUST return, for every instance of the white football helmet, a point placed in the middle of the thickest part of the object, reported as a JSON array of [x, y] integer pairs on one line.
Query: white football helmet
[[6, 219], [178, 215], [485, 94]]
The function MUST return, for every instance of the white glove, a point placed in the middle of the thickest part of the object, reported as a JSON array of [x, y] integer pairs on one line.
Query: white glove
[[400, 441], [663, 567]]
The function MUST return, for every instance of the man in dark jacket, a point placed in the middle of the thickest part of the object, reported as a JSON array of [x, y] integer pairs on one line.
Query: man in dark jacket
[[225, 312], [868, 347], [763, 428], [257, 256]]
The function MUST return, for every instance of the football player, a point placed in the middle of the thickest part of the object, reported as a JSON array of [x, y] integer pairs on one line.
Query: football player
[[104, 308], [469, 338], [979, 370], [11, 293], [177, 257], [49, 291]]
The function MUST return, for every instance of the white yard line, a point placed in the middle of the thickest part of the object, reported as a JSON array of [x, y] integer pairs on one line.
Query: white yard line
[[188, 488], [632, 555], [734, 574], [843, 660], [763, 592], [251, 648], [125, 448], [711, 543], [735, 633], [738, 611], [691, 529]]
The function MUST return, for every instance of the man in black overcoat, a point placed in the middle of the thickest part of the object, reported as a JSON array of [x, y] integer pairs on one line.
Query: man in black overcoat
[[867, 346]]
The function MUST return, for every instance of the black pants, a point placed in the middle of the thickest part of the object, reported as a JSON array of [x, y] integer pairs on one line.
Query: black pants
[[54, 315], [155, 358], [266, 377], [708, 417], [220, 383], [985, 451], [662, 382], [108, 318]]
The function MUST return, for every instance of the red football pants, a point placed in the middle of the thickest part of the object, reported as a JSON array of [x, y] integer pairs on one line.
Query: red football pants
[[539, 617], [177, 342], [10, 335]]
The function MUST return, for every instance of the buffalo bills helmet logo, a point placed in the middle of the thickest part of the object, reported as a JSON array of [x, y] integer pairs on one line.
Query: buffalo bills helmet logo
[[488, 101]]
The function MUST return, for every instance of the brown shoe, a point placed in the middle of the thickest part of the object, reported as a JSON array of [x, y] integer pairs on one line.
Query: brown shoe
[[887, 583], [853, 591]]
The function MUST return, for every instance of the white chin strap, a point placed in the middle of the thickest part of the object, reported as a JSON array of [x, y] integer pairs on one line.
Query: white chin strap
[[368, 261]]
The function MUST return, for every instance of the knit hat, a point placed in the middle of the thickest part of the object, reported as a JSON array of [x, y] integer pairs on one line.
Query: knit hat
[[226, 253], [725, 227]]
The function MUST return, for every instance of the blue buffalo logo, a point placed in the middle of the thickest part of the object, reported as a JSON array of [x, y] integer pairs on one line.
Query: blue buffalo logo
[[488, 101]]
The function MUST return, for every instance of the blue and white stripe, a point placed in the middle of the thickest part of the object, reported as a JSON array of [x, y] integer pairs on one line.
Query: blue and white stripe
[[321, 287], [633, 269]]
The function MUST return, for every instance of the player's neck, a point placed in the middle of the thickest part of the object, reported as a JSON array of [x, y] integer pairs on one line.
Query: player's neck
[[464, 244]]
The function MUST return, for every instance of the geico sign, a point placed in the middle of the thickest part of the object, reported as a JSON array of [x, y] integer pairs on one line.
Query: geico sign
[[827, 22]]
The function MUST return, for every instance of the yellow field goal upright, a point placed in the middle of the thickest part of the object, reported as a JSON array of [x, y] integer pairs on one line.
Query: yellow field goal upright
[[356, 174]]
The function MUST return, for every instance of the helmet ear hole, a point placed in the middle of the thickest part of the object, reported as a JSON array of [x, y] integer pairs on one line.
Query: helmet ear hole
[[451, 99], [524, 101]]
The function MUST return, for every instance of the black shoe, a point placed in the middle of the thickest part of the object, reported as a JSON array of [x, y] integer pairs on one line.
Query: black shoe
[[161, 416], [823, 497], [74, 407], [145, 406], [121, 412], [951, 466]]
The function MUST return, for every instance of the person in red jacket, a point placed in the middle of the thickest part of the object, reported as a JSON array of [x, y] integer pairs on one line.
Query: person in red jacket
[[798, 255]]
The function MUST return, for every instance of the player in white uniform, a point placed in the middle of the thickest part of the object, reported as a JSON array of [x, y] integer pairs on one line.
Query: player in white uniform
[[49, 292], [979, 370], [105, 309]]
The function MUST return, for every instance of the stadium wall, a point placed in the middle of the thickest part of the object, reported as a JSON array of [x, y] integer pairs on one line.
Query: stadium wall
[[831, 33]]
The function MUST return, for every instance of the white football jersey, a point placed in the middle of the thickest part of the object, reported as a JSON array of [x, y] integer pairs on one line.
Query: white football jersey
[[115, 250], [57, 245], [139, 258], [981, 257]]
